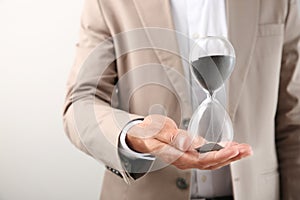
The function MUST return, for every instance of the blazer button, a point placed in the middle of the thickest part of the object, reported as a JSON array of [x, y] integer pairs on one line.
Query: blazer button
[[181, 183]]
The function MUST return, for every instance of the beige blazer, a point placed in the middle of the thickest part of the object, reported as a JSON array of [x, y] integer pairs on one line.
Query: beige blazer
[[263, 96]]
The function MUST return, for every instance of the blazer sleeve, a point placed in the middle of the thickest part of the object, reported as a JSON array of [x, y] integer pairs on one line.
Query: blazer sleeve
[[91, 121], [288, 111]]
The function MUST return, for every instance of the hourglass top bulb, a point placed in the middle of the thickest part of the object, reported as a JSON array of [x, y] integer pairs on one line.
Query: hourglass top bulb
[[212, 61], [212, 71]]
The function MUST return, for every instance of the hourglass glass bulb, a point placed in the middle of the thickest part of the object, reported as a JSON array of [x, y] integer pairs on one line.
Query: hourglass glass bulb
[[212, 61], [211, 122]]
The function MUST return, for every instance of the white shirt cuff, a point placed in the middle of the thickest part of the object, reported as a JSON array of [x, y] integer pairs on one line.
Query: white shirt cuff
[[125, 150]]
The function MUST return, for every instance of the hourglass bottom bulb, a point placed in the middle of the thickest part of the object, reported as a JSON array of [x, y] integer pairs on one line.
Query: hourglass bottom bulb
[[209, 147]]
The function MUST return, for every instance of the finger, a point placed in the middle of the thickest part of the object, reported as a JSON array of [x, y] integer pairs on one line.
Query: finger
[[220, 165], [183, 160], [159, 148], [216, 157], [187, 160], [168, 135], [171, 155], [149, 145], [190, 159], [181, 140], [244, 151]]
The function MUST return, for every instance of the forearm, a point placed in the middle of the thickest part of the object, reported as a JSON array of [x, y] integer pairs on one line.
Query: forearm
[[92, 127], [90, 119]]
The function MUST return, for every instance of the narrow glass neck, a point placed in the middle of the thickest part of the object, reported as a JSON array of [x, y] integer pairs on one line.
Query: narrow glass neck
[[211, 95]]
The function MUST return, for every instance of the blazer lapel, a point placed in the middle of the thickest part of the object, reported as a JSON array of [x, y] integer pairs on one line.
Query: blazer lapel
[[242, 19], [155, 15]]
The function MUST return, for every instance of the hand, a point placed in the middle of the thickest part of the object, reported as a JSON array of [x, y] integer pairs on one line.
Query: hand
[[160, 136]]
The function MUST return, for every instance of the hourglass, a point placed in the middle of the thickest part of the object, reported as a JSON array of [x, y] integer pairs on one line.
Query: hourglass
[[212, 60]]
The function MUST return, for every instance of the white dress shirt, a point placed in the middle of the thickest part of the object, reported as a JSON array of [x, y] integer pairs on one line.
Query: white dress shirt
[[195, 19]]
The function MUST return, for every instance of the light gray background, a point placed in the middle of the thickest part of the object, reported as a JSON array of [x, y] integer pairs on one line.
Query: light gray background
[[37, 47]]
